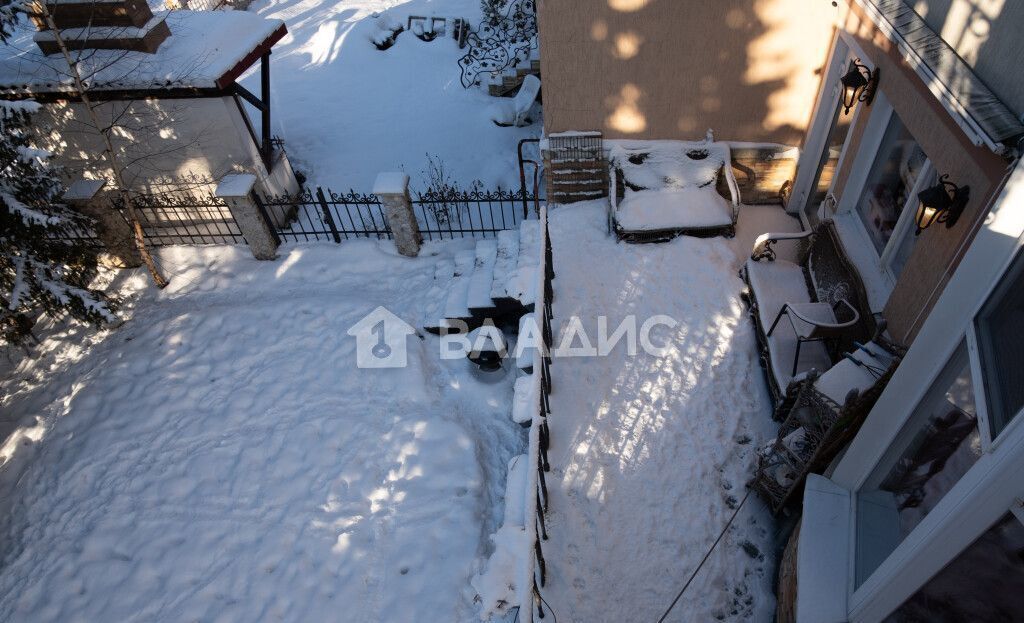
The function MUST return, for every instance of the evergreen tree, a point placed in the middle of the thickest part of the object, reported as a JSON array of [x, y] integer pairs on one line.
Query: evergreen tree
[[41, 269]]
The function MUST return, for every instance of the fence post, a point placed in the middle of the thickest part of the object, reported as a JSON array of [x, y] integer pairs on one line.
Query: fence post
[[393, 191], [236, 191], [328, 217], [112, 229]]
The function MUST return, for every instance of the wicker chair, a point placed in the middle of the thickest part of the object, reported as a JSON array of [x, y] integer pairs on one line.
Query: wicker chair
[[822, 297], [824, 416]]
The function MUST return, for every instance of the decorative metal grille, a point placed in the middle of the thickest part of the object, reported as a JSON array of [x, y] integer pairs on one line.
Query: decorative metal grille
[[495, 47]]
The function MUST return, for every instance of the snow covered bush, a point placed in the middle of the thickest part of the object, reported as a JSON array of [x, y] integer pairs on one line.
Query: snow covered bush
[[40, 270], [386, 31]]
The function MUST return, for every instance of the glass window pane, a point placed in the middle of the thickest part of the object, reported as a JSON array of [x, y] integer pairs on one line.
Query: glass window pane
[[898, 163], [837, 133], [1000, 330], [902, 250], [940, 442], [983, 584]]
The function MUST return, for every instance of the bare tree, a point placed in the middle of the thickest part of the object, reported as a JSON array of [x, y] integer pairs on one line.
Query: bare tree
[[104, 132]]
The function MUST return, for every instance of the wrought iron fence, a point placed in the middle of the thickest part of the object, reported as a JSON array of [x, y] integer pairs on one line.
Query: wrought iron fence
[[189, 219], [537, 504], [169, 219], [325, 215], [441, 215], [461, 214], [197, 218], [206, 5]]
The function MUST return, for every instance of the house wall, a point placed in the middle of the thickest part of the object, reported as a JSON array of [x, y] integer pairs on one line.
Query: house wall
[[986, 34], [938, 250], [667, 69], [159, 139]]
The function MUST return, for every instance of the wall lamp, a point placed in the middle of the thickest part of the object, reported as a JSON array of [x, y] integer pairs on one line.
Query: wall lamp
[[943, 203], [859, 85]]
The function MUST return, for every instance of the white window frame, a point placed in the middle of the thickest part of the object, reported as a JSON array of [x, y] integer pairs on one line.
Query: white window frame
[[990, 486], [889, 568], [844, 48], [875, 267]]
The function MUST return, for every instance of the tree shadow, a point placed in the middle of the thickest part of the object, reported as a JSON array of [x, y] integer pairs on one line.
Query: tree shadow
[[664, 69]]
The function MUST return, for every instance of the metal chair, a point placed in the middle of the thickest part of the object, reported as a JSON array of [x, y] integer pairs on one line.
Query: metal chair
[[816, 322]]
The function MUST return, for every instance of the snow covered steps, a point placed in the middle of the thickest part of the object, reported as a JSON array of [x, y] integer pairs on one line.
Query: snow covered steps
[[497, 279]]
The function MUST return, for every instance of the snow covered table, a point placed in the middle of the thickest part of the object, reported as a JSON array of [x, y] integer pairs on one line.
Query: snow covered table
[[661, 189]]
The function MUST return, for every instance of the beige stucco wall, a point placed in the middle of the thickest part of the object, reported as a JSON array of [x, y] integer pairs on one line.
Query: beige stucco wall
[[749, 69], [986, 34], [938, 250], [156, 139]]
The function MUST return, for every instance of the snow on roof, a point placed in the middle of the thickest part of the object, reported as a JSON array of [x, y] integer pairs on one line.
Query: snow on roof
[[206, 50]]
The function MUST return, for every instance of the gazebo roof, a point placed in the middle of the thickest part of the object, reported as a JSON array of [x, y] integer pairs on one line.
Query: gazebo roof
[[206, 52]]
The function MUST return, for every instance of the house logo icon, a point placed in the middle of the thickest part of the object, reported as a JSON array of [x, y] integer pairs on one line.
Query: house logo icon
[[380, 340]]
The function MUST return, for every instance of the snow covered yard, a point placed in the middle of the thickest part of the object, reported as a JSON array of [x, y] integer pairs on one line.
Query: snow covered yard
[[650, 454], [348, 111], [220, 457]]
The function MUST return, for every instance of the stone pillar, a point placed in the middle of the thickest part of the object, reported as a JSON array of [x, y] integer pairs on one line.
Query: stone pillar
[[393, 191], [236, 190], [113, 230]]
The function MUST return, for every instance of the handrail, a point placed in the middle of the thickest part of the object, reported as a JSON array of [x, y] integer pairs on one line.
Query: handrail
[[522, 177], [539, 438]]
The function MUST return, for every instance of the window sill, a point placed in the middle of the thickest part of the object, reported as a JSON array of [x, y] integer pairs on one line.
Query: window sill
[[823, 552], [878, 283]]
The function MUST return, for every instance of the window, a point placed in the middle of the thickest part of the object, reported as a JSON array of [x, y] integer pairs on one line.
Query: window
[[903, 240], [1001, 348], [983, 584], [937, 446], [837, 133], [888, 201]]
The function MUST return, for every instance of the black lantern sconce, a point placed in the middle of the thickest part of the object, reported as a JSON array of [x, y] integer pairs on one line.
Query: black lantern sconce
[[859, 84], [942, 203]]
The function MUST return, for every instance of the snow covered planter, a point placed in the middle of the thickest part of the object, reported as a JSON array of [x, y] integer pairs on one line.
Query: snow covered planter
[[661, 189], [516, 568], [386, 32]]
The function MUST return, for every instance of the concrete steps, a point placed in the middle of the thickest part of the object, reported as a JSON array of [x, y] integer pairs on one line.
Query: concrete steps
[[495, 280]]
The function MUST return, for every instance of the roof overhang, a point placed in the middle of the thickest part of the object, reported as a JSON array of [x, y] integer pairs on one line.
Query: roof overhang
[[215, 79], [229, 77], [974, 107]]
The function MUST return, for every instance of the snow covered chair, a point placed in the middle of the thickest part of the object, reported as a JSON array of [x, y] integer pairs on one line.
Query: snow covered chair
[[516, 113], [826, 413], [822, 297], [663, 189]]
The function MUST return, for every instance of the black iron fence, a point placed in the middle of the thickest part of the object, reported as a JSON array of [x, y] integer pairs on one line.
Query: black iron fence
[[188, 219], [540, 437], [323, 214], [171, 219]]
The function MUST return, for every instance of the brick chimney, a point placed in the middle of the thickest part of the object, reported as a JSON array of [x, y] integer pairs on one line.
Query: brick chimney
[[101, 25]]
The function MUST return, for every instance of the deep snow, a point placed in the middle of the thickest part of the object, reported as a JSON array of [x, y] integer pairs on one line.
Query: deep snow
[[348, 111], [220, 458], [650, 454]]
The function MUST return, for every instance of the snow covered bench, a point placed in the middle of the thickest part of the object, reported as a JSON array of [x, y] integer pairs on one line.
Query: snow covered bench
[[808, 312], [661, 189]]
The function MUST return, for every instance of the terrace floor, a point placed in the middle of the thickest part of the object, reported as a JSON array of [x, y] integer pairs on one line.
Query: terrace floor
[[650, 455]]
